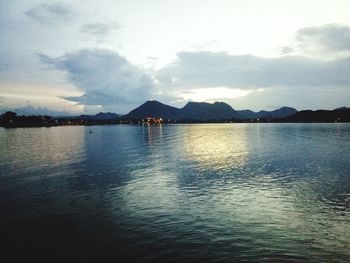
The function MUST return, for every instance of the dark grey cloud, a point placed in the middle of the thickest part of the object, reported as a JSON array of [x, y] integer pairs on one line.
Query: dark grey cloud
[[50, 13], [105, 78], [98, 30], [212, 69], [332, 37]]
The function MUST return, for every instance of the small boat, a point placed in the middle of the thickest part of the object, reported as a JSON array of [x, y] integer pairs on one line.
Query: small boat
[[90, 131]]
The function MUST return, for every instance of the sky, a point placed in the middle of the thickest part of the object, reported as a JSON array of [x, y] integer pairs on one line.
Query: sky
[[88, 56]]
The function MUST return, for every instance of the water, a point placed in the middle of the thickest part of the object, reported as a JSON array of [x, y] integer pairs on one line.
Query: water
[[176, 193]]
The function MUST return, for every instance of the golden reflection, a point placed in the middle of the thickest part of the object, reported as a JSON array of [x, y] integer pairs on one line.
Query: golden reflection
[[217, 145]]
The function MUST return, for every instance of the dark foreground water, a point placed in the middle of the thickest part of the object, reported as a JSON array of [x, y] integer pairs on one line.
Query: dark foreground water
[[176, 193]]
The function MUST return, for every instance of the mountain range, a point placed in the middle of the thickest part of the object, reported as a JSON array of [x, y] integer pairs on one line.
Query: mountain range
[[200, 111], [99, 116], [210, 112]]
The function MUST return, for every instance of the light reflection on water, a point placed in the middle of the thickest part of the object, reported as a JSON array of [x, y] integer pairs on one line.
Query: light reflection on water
[[215, 147], [265, 192]]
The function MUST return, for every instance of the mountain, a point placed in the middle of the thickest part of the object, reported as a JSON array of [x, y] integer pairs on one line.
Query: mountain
[[247, 114], [191, 111], [155, 109], [207, 111], [279, 113], [337, 115], [202, 111], [100, 116], [106, 116], [342, 108]]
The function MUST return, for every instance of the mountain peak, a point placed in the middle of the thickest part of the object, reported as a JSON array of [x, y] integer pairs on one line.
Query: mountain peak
[[207, 111], [216, 103], [153, 102], [153, 108]]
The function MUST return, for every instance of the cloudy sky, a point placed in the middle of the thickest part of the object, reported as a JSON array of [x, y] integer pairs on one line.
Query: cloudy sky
[[112, 55]]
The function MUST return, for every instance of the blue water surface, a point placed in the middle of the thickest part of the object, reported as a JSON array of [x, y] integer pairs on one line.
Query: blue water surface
[[176, 193]]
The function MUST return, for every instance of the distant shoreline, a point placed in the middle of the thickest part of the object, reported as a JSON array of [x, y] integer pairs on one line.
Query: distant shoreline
[[163, 124], [152, 117]]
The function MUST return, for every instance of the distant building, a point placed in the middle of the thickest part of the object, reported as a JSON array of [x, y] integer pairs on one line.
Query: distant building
[[151, 121]]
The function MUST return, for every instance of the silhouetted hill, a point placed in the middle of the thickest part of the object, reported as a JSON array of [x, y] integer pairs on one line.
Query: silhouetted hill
[[202, 111], [247, 114], [279, 113], [155, 109], [342, 108], [100, 116], [207, 111], [106, 116], [337, 115]]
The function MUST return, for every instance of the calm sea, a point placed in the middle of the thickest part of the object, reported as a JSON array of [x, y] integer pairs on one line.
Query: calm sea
[[176, 193]]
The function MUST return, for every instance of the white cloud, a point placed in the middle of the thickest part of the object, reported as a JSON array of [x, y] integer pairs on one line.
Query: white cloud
[[198, 70], [105, 78]]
